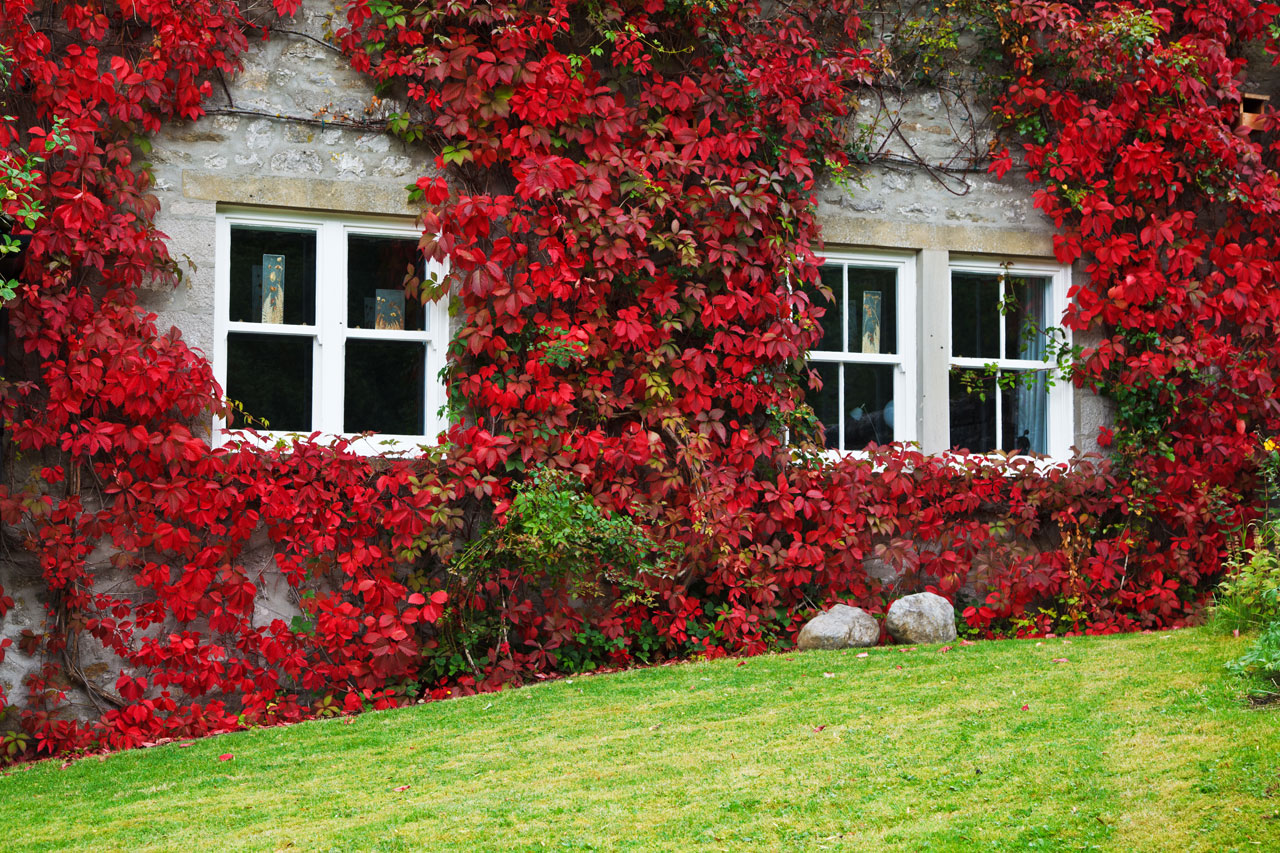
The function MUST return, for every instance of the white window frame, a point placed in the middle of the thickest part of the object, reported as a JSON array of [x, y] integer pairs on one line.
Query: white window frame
[[1060, 429], [906, 400], [330, 333]]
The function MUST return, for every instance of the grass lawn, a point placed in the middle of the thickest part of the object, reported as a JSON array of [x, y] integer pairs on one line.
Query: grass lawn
[[1133, 743]]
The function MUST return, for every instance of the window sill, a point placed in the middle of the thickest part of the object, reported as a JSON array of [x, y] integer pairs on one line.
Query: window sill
[[390, 446]]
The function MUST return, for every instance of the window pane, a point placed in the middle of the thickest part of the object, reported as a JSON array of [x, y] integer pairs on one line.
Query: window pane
[[975, 315], [973, 418], [826, 403], [376, 271], [868, 405], [273, 276], [873, 306], [1024, 413], [384, 384], [1025, 317], [832, 276], [270, 377]]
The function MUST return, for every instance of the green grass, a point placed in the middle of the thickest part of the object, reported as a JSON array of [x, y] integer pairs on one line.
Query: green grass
[[1135, 743]]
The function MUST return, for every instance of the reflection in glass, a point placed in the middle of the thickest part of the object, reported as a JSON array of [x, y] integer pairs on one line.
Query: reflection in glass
[[255, 296], [863, 406], [384, 387], [868, 405], [380, 264], [270, 377]]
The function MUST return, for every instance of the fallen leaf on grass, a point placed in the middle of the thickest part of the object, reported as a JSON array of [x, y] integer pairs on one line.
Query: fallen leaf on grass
[[1026, 707], [401, 788], [1060, 660], [818, 728], [226, 756], [944, 649], [186, 743], [966, 642], [742, 663], [828, 675], [863, 654]]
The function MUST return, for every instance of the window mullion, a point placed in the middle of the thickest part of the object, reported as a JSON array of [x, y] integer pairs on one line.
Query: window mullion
[[330, 305], [845, 317], [999, 425], [221, 313], [841, 415]]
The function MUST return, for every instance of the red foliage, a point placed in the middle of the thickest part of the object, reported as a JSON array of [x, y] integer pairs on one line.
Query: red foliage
[[1174, 209]]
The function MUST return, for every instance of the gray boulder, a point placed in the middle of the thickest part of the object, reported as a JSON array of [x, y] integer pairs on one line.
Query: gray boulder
[[841, 627], [921, 618]]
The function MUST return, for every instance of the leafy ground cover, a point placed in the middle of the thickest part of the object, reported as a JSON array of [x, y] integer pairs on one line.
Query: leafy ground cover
[[1135, 742]]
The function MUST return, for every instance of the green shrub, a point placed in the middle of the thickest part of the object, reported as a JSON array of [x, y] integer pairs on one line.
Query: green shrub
[[1249, 599], [1263, 657]]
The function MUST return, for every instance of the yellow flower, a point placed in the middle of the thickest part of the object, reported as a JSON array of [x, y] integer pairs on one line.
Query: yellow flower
[[1269, 445]]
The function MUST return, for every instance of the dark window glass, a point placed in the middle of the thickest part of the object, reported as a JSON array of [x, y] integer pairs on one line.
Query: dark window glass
[[975, 315], [377, 269], [384, 387], [826, 402], [270, 377], [868, 405], [832, 321], [973, 411], [260, 255]]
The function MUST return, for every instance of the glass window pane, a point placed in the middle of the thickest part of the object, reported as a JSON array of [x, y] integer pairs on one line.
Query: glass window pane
[[868, 405], [826, 402], [273, 276], [973, 411], [270, 377], [384, 386], [1025, 317], [975, 315], [1024, 410], [377, 269], [873, 306], [832, 275]]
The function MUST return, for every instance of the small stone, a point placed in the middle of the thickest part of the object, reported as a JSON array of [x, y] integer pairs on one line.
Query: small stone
[[921, 618], [841, 627]]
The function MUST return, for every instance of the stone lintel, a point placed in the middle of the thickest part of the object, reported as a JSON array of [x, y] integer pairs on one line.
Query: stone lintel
[[956, 239], [366, 196]]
